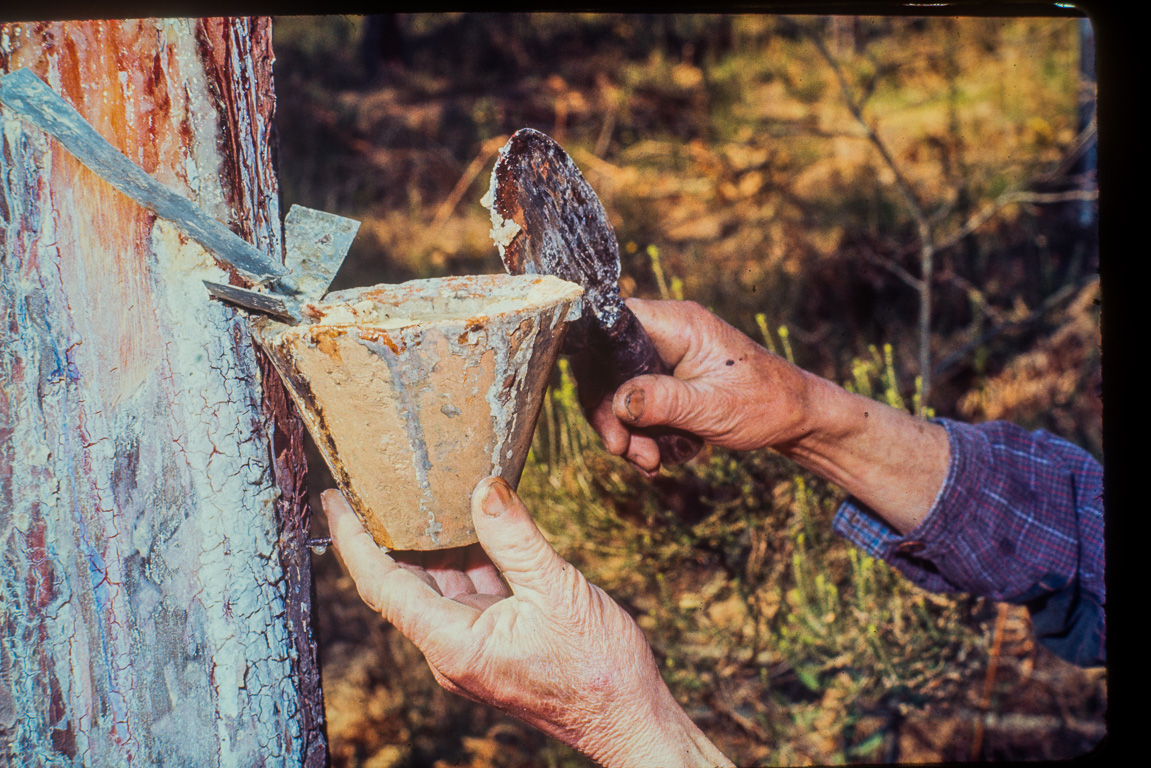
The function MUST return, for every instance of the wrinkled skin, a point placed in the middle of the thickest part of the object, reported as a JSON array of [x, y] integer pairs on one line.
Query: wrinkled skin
[[716, 369], [734, 393], [520, 629]]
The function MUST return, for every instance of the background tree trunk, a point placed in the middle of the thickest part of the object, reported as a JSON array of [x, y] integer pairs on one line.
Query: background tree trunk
[[155, 593]]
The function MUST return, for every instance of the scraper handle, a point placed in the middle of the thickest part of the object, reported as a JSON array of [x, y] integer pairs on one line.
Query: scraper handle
[[613, 356]]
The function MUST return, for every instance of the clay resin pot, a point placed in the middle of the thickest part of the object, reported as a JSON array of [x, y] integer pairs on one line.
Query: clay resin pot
[[415, 392]]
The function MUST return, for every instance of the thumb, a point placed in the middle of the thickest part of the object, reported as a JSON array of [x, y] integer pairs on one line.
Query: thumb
[[512, 541], [654, 400]]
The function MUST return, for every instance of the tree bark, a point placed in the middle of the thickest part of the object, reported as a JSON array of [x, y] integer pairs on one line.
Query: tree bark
[[155, 591]]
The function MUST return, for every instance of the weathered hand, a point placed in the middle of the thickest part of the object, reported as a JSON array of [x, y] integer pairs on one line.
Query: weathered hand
[[532, 638], [734, 393], [726, 389]]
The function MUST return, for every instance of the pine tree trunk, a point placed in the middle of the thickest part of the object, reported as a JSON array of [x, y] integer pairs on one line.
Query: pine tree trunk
[[155, 593]]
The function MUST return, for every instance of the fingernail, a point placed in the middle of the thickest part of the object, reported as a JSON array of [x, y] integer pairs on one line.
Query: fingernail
[[328, 499], [633, 403], [497, 498]]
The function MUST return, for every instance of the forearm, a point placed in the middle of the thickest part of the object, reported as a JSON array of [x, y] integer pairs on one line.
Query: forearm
[[1019, 519], [663, 735], [890, 460]]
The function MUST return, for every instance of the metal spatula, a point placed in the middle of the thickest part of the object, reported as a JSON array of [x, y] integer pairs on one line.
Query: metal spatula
[[547, 220]]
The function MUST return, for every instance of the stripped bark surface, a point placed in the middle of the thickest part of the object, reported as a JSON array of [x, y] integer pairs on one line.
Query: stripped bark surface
[[154, 591]]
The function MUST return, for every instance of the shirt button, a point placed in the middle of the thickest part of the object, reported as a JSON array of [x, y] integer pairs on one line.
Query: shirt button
[[910, 547]]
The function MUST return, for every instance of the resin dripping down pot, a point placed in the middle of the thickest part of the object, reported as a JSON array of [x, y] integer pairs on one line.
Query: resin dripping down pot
[[415, 392]]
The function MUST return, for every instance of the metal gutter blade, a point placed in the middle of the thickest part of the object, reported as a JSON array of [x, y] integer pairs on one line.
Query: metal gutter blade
[[316, 243], [277, 306], [31, 98]]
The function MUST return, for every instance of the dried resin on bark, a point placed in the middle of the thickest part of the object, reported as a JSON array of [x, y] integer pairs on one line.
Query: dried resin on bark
[[415, 392]]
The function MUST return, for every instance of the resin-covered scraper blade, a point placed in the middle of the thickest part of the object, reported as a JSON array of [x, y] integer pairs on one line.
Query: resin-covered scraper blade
[[316, 242], [547, 220]]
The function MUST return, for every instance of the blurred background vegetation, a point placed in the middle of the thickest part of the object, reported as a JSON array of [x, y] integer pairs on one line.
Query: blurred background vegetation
[[824, 184]]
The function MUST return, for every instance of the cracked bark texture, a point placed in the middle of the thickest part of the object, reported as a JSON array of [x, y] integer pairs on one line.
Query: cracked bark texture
[[155, 594]]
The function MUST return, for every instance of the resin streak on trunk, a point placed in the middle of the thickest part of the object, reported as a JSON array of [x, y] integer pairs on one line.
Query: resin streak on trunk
[[143, 598]]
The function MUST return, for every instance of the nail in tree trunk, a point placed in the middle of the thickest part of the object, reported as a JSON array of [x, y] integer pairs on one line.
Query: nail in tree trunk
[[155, 592]]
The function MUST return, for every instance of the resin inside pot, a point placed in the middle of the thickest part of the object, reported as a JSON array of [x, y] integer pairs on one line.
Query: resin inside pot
[[415, 392]]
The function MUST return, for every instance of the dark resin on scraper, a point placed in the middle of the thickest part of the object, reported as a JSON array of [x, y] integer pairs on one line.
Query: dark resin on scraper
[[547, 220]]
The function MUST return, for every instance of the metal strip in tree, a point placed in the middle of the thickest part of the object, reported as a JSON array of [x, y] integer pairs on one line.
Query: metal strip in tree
[[33, 100]]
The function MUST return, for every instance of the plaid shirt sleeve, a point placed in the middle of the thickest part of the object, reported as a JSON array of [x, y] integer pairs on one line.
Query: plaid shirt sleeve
[[1019, 519]]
